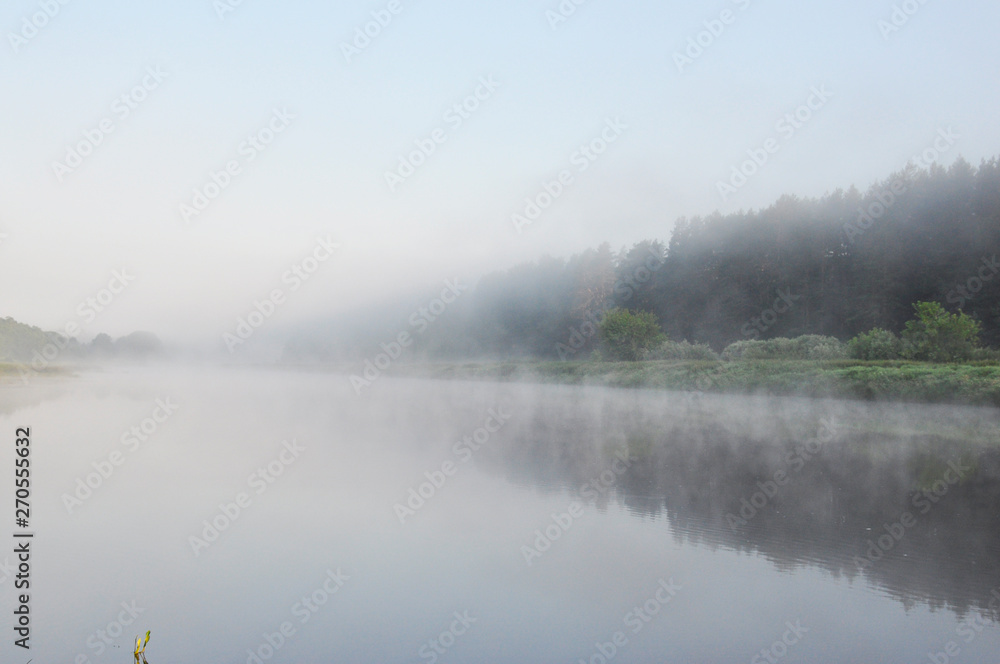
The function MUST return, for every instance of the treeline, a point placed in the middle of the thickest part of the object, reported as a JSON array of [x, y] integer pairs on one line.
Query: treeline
[[21, 343], [837, 266]]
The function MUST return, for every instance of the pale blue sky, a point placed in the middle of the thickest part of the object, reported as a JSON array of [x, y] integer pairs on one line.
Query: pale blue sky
[[325, 172]]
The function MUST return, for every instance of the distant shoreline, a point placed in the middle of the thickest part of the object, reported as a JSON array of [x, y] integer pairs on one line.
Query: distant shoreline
[[12, 370], [975, 384], [966, 384]]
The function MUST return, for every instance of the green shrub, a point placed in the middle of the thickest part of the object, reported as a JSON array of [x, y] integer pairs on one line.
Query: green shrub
[[682, 350], [833, 349], [985, 355], [738, 349], [937, 336], [629, 336], [805, 347], [875, 344]]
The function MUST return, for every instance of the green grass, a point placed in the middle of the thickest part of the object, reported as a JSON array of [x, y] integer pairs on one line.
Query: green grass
[[974, 383]]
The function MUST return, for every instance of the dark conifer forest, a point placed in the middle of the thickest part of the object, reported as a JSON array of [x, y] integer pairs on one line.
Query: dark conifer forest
[[840, 265]]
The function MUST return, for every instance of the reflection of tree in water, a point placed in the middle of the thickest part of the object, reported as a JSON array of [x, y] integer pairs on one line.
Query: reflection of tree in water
[[694, 466]]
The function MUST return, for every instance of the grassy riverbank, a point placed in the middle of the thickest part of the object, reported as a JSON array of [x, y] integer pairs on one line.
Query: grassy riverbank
[[977, 383], [10, 371]]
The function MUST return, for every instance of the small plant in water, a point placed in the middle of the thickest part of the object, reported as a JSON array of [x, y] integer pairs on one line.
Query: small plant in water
[[140, 648]]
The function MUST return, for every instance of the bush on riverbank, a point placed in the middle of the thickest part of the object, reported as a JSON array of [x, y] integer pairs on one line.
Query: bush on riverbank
[[937, 336], [875, 344], [805, 347], [682, 350], [933, 335], [630, 335]]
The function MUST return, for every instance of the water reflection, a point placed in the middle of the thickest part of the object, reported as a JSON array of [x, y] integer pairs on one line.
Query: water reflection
[[906, 497], [672, 488]]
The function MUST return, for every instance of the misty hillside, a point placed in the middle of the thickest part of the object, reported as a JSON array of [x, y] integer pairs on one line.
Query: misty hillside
[[837, 266], [20, 343]]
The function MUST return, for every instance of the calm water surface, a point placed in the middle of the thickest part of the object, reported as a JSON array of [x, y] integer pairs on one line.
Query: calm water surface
[[469, 522]]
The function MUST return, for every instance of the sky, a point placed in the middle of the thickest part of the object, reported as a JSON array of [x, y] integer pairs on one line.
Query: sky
[[195, 156]]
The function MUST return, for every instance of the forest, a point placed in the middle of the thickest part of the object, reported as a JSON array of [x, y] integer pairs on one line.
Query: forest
[[836, 266], [28, 344]]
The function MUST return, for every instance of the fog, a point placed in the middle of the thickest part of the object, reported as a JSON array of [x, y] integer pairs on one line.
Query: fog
[[687, 115], [560, 331]]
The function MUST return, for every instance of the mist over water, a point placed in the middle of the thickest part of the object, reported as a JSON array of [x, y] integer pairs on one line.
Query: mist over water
[[548, 518], [286, 290]]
